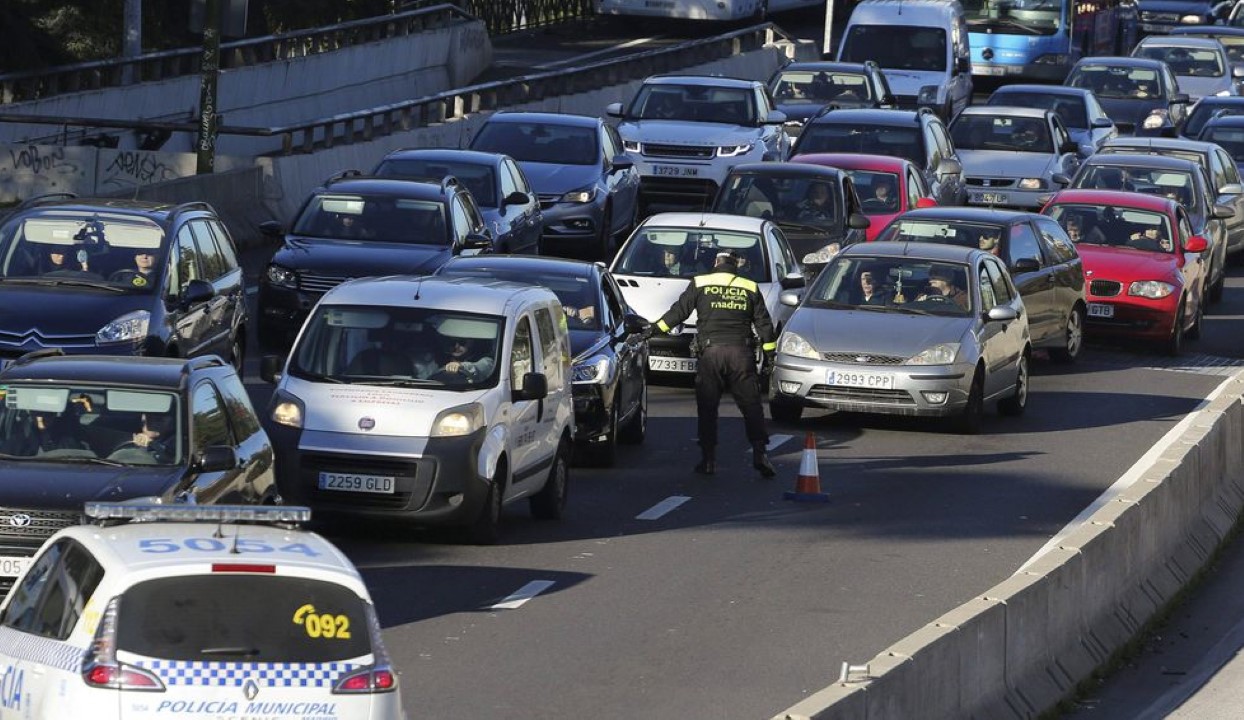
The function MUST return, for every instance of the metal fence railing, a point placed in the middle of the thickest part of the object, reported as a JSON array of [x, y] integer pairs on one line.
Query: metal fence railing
[[505, 16]]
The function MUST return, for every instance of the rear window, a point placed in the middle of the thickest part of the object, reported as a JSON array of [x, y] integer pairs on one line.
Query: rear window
[[829, 137], [255, 618]]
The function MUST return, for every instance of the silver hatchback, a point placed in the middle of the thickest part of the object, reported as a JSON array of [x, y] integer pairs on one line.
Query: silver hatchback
[[905, 329]]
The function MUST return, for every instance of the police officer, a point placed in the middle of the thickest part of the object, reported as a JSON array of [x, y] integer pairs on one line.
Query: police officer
[[727, 307]]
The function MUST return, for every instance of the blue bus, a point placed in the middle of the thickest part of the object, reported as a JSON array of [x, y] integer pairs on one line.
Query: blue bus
[[1041, 39]]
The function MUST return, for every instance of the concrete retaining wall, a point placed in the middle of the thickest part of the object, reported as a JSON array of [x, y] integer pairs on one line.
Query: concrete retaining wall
[[1019, 648]]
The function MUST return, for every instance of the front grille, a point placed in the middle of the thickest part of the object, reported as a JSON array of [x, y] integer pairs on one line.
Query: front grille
[[1125, 128], [861, 395], [677, 151], [42, 340], [414, 480], [319, 283], [991, 182], [1105, 288], [27, 524], [685, 190], [863, 358]]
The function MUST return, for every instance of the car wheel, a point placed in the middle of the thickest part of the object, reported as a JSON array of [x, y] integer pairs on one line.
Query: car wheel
[[486, 528], [1074, 337], [1194, 332], [633, 432], [1175, 344], [969, 420], [550, 502], [784, 411], [1015, 404], [604, 239], [237, 355], [605, 452]]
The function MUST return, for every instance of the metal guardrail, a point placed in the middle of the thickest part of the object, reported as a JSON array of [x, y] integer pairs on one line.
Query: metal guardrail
[[365, 125], [506, 16], [37, 84]]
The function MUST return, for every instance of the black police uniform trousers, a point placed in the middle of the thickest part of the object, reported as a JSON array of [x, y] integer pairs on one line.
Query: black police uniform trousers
[[733, 368]]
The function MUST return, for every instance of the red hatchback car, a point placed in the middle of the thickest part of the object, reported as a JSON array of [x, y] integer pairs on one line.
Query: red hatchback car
[[1144, 269], [887, 186]]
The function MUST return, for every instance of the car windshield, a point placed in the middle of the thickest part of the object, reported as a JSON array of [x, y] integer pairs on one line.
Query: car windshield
[[378, 219], [1068, 108], [695, 103], [1234, 46], [878, 191], [821, 87], [70, 247], [830, 137], [1000, 132], [885, 284], [88, 423], [786, 199], [481, 180], [1124, 148], [1118, 82], [686, 252], [1108, 225], [579, 297], [897, 47], [389, 345], [1014, 17], [1173, 184], [983, 236], [540, 142], [1230, 138], [1188, 62], [215, 618], [1209, 108]]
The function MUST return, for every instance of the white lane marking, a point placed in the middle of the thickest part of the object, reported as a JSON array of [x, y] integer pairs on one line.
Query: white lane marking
[[606, 51], [523, 594], [1135, 471], [656, 511], [775, 441]]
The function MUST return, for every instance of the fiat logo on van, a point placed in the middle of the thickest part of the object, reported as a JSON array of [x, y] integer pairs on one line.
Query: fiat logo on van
[[366, 423]]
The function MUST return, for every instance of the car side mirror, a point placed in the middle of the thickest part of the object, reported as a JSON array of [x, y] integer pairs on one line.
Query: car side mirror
[[614, 109], [1231, 189], [949, 166], [858, 221], [215, 458], [1180, 99], [1102, 123], [1001, 313], [925, 202], [1025, 265], [476, 243], [1222, 212], [197, 291], [775, 117], [518, 197], [789, 299], [621, 163], [535, 387], [1060, 179], [1196, 244], [1070, 146], [271, 228], [793, 281], [633, 323], [270, 367]]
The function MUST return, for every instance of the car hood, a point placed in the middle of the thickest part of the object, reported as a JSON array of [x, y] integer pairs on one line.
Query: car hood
[[878, 333], [676, 132], [552, 178], [64, 310], [583, 343], [1130, 110], [909, 82], [1125, 263], [1005, 163], [395, 412], [66, 486], [1199, 87], [355, 258], [651, 297], [879, 223]]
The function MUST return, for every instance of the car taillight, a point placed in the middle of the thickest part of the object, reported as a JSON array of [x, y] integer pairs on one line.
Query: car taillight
[[371, 679], [100, 667]]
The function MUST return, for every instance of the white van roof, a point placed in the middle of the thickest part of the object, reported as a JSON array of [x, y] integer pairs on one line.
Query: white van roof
[[916, 12], [468, 294]]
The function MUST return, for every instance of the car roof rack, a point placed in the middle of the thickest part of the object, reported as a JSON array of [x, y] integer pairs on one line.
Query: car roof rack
[[118, 513], [344, 175], [204, 362], [190, 207], [37, 355], [45, 198]]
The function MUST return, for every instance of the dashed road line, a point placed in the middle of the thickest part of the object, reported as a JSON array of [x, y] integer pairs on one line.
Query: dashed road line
[[656, 511], [523, 594]]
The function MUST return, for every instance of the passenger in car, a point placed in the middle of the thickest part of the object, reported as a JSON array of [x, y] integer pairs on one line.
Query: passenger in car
[[457, 358], [871, 293]]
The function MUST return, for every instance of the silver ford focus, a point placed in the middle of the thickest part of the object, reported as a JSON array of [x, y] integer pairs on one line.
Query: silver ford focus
[[905, 329]]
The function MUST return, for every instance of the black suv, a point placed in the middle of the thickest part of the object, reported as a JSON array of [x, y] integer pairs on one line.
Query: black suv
[[361, 226], [75, 428], [119, 277], [916, 135]]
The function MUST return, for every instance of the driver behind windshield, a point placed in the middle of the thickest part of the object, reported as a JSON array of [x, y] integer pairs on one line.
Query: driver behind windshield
[[455, 357]]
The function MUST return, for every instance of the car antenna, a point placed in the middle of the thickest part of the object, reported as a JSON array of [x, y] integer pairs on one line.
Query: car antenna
[[418, 287]]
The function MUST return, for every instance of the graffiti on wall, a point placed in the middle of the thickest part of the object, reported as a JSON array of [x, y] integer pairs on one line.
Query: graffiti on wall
[[30, 170], [121, 169]]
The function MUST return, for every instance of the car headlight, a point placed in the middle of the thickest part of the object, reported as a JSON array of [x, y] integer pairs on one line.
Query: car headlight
[[597, 369], [630, 146], [1190, 19], [1031, 184], [1152, 289], [282, 277], [940, 354], [1223, 93], [822, 256], [927, 95], [582, 195], [792, 344], [457, 421], [287, 410], [734, 150], [127, 328], [1156, 119]]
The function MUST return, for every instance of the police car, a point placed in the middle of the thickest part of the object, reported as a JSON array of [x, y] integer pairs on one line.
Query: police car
[[222, 611]]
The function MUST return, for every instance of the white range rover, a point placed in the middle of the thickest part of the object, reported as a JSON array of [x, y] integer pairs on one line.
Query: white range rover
[[685, 132]]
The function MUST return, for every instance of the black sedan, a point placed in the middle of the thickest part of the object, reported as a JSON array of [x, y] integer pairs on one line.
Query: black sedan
[[610, 367], [1140, 95], [801, 89]]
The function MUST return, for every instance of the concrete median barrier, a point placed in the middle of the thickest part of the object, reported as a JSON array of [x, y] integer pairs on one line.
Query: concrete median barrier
[[1022, 646]]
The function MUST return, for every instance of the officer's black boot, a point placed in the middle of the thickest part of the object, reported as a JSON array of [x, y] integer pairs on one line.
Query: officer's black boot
[[708, 463], [760, 460]]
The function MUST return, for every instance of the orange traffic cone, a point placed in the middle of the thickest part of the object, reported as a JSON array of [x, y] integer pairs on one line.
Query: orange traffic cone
[[808, 484]]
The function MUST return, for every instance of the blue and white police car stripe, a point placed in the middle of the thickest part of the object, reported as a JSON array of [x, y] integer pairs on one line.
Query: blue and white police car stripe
[[41, 651], [234, 674]]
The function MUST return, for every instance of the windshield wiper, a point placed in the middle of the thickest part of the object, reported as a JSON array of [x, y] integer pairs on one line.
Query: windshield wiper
[[87, 461], [788, 225], [231, 651], [308, 375], [401, 382], [879, 308], [70, 282]]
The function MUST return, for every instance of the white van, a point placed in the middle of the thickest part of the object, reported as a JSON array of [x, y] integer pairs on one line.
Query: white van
[[921, 46], [429, 399]]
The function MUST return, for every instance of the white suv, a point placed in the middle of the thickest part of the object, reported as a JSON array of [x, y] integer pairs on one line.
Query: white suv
[[685, 133]]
